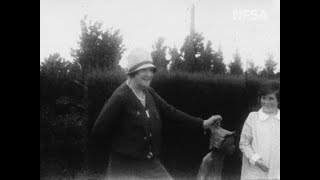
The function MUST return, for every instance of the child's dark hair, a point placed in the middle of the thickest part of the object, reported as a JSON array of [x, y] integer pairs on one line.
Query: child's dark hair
[[269, 87]]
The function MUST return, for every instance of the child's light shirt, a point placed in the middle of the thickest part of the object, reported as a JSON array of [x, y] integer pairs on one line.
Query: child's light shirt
[[260, 138]]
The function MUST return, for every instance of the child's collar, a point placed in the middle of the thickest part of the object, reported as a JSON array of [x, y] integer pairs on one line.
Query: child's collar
[[263, 116]]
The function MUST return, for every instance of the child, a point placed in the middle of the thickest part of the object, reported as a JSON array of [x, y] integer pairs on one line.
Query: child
[[260, 137], [221, 144]]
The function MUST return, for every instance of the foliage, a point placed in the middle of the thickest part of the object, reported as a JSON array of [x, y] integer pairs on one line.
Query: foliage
[[191, 50], [236, 65], [98, 48], [159, 55]]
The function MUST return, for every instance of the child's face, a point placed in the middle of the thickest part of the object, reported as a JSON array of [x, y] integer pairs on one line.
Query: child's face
[[269, 103]]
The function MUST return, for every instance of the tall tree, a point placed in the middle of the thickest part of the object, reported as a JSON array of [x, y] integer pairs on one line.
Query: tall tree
[[98, 49], [236, 66], [159, 55], [176, 62], [270, 66], [218, 67], [191, 50], [206, 58], [252, 69]]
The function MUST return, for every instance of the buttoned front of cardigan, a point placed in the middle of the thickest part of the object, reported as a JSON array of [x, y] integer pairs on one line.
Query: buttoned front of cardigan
[[131, 129]]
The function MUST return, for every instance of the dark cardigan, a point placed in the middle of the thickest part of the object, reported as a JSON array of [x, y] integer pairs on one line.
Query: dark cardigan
[[124, 127]]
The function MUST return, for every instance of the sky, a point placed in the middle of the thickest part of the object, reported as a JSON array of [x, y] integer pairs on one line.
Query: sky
[[251, 26]]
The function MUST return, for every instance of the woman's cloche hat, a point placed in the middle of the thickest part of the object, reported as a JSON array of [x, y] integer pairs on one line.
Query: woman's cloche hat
[[139, 58]]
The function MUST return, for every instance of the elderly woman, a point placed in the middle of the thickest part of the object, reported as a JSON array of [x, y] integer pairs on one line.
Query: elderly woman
[[260, 137], [130, 123]]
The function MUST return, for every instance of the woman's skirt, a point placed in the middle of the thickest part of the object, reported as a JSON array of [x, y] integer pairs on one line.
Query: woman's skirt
[[123, 168]]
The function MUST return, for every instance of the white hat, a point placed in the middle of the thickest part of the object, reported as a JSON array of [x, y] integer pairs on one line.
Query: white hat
[[139, 58]]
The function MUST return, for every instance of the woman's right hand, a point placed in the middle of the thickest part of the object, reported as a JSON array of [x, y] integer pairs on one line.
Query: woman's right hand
[[260, 163], [213, 120]]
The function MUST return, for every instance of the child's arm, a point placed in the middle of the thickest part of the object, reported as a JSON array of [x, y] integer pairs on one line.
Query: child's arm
[[246, 140], [246, 145]]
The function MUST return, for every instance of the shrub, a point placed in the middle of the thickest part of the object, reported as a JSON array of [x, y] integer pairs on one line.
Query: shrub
[[63, 139]]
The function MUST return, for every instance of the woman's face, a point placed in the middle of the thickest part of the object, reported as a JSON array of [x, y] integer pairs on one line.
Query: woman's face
[[269, 103], [144, 77]]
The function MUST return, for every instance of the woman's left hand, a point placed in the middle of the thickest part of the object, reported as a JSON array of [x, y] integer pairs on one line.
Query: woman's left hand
[[213, 120]]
